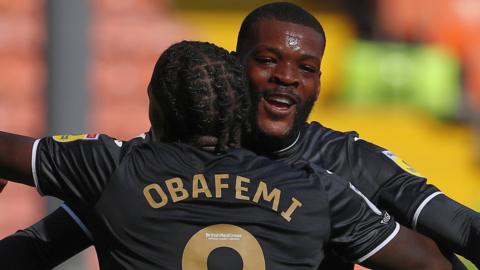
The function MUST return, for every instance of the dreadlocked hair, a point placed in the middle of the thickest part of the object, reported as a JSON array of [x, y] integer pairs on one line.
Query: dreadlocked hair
[[201, 90], [280, 11]]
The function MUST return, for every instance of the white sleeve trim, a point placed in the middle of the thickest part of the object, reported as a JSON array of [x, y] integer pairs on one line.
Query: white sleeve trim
[[372, 206], [384, 243], [420, 208], [34, 166], [77, 220]]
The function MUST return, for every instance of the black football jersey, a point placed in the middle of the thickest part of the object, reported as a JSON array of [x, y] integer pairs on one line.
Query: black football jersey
[[381, 176], [172, 206], [384, 178]]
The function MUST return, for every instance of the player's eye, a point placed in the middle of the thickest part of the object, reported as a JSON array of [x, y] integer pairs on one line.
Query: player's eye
[[265, 60], [309, 68]]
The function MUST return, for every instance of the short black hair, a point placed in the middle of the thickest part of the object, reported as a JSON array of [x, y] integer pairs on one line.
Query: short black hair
[[201, 89], [281, 11]]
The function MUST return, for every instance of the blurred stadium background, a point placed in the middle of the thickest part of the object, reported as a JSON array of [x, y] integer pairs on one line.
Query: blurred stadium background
[[405, 74]]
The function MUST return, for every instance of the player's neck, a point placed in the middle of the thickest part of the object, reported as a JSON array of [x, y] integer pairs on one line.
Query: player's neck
[[264, 144], [287, 144], [205, 142]]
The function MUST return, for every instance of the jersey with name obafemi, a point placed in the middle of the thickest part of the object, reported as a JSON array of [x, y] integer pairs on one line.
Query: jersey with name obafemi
[[172, 206]]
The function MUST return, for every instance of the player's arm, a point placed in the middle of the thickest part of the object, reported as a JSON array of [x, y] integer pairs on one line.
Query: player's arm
[[359, 231], [48, 242], [457, 227], [408, 250], [395, 186], [63, 233], [410, 198], [45, 244], [69, 167], [15, 158], [75, 168]]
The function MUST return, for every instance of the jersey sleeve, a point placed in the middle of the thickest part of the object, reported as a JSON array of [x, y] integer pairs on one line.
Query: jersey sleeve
[[394, 185], [405, 192], [45, 244], [358, 228], [387, 180], [74, 167], [457, 227]]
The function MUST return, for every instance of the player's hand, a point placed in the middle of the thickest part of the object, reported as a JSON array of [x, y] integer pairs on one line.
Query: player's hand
[[3, 183]]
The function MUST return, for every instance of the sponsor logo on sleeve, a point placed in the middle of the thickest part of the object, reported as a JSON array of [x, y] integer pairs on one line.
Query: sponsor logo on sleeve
[[386, 218], [401, 163], [71, 138]]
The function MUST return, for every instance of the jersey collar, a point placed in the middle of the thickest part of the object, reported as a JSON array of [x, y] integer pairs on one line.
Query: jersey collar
[[278, 152]]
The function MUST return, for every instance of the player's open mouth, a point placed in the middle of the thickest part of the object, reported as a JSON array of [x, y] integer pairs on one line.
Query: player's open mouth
[[279, 104]]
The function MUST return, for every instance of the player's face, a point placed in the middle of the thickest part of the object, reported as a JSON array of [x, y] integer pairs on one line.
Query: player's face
[[283, 65]]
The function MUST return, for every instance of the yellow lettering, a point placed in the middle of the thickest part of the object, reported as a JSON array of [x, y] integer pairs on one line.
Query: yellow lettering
[[219, 185], [175, 186], [200, 186], [287, 214], [155, 187], [239, 188], [274, 195]]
